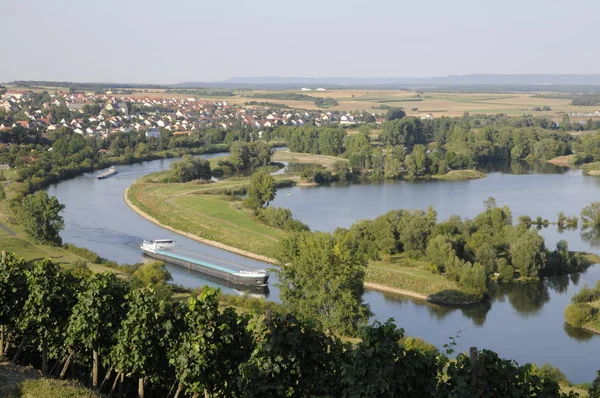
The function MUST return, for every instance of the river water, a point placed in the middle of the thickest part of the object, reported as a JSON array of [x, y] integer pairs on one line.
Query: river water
[[524, 323]]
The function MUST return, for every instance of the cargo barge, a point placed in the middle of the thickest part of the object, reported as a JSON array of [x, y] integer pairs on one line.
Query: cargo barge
[[165, 250], [109, 173]]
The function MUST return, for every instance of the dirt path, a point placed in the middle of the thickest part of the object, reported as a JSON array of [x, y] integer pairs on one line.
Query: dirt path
[[9, 231]]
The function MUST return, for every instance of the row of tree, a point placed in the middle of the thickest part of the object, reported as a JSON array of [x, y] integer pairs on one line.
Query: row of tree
[[100, 325], [425, 147]]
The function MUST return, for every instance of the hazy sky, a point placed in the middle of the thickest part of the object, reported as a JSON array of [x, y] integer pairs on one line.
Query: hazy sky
[[172, 41]]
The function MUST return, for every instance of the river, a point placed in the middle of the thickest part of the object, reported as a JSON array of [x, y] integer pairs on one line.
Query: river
[[524, 323]]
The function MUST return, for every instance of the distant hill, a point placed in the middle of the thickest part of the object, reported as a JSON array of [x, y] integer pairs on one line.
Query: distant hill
[[477, 79]]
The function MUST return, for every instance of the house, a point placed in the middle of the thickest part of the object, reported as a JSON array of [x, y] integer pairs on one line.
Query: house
[[152, 133], [427, 116], [23, 123], [305, 89], [78, 131], [75, 107], [123, 108], [320, 89]]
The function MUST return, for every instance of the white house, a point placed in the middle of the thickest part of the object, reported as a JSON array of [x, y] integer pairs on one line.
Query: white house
[[305, 89], [320, 89], [152, 133]]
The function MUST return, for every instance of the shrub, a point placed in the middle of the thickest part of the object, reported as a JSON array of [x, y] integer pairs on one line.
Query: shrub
[[578, 314], [506, 271], [586, 295], [547, 371], [418, 344], [280, 217]]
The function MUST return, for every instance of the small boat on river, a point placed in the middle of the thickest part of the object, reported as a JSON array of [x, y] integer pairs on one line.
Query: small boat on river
[[108, 173], [165, 250]]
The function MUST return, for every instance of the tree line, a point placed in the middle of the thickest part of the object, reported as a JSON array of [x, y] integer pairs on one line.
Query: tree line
[[470, 252], [132, 340], [418, 148]]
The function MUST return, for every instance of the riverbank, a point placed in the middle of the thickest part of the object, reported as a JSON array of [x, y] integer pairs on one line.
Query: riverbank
[[203, 213]]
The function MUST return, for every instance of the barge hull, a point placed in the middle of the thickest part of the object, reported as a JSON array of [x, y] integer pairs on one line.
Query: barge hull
[[229, 277]]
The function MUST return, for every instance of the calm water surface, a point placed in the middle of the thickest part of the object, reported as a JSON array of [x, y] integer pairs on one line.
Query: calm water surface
[[524, 323]]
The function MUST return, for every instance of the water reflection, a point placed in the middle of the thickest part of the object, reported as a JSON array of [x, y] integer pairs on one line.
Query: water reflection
[[527, 299], [577, 333], [522, 167], [591, 236]]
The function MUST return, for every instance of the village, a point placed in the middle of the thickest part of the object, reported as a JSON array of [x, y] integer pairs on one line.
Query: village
[[91, 114]]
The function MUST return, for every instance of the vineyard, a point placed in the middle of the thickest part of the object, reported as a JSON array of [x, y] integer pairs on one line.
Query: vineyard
[[130, 341]]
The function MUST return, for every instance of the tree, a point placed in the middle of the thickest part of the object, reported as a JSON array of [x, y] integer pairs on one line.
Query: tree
[[213, 346], [440, 252], [95, 319], [590, 215], [494, 377], [47, 308], [249, 156], [394, 114], [528, 254], [140, 350], [322, 278], [2, 192], [13, 293], [40, 215], [380, 366], [417, 163], [262, 190], [291, 359], [153, 273], [189, 169]]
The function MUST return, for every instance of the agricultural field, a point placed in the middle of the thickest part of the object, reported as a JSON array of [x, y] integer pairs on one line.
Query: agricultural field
[[441, 104], [377, 100]]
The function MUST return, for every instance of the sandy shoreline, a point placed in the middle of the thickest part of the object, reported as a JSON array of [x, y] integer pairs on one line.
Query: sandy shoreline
[[401, 292]]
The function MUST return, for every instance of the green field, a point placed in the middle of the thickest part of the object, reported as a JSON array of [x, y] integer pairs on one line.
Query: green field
[[411, 275], [220, 218]]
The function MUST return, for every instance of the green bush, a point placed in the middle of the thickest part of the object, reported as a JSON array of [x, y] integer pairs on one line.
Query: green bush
[[280, 217], [506, 271], [418, 344], [578, 314], [547, 371], [587, 295]]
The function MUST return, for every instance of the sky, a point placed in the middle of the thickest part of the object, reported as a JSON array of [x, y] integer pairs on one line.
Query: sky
[[150, 41]]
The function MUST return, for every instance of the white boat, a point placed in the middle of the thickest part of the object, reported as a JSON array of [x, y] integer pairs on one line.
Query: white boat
[[109, 173]]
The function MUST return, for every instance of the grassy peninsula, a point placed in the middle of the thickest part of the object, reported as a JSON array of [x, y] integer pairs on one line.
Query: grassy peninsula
[[214, 213]]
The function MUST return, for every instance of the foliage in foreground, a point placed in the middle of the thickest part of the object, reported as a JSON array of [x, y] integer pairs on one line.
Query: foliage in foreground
[[199, 348]]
